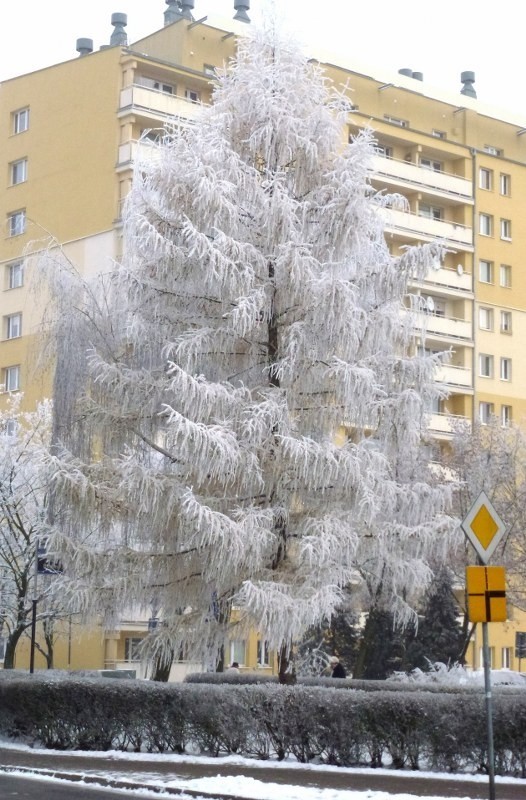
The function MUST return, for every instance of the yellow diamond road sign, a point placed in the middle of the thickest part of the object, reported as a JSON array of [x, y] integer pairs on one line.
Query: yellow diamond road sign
[[483, 527]]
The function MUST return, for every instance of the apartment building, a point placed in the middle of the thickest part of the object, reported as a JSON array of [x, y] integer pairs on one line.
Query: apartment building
[[68, 139]]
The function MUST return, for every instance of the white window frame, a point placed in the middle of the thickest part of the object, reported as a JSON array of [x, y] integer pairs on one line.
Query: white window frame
[[485, 365], [505, 368], [505, 184], [485, 412], [131, 648], [485, 224], [505, 229], [12, 378], [17, 222], [505, 276], [429, 163], [506, 654], [383, 150], [193, 95], [263, 653], [438, 134], [13, 326], [15, 274], [485, 179], [485, 318], [506, 416], [21, 120], [506, 322], [156, 85], [18, 171], [487, 268], [431, 212], [493, 151], [238, 651], [402, 123], [10, 428]]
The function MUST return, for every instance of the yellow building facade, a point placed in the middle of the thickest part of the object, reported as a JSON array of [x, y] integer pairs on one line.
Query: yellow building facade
[[68, 138]]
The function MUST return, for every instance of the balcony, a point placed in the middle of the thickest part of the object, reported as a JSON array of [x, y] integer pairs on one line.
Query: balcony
[[405, 175], [129, 151], [455, 377], [155, 105], [426, 229], [451, 280], [448, 327], [446, 425]]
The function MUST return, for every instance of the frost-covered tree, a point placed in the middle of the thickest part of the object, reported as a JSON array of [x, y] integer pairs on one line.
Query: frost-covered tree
[[492, 458], [239, 403], [24, 488]]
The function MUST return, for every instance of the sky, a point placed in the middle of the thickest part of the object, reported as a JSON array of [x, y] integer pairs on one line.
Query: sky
[[441, 40]]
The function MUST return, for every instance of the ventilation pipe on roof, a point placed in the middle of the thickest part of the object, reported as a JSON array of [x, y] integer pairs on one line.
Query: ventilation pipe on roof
[[241, 7], [468, 79], [406, 71], [187, 6], [173, 12], [418, 76], [84, 46], [119, 22]]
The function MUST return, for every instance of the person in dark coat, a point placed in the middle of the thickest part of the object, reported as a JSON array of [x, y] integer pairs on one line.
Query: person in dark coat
[[337, 669]]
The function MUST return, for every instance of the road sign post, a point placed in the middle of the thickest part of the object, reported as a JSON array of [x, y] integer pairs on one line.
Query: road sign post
[[486, 597]]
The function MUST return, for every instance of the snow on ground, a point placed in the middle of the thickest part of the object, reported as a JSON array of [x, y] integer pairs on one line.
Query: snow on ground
[[241, 786]]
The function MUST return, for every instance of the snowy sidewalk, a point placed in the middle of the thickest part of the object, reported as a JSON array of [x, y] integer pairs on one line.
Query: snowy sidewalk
[[238, 776]]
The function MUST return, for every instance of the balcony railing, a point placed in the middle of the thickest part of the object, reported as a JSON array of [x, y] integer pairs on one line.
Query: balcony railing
[[452, 375], [449, 279], [446, 424], [445, 326], [140, 99], [427, 229], [405, 173]]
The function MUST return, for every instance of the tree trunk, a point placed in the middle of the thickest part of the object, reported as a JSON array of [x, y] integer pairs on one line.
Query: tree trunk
[[10, 648], [162, 667], [287, 671]]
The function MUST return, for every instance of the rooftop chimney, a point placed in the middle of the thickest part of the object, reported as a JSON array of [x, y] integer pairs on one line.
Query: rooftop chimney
[[468, 79], [172, 13], [84, 46], [187, 6], [406, 71], [241, 7], [418, 76], [119, 22]]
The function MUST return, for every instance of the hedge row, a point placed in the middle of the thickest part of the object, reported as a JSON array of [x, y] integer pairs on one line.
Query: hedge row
[[408, 729]]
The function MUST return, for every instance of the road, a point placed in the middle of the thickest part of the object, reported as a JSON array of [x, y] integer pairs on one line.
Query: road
[[27, 789]]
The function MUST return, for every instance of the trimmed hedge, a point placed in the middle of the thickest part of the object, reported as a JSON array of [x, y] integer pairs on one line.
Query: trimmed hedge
[[405, 728]]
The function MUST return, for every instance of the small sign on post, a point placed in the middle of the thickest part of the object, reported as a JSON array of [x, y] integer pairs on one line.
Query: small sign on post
[[483, 527], [486, 590]]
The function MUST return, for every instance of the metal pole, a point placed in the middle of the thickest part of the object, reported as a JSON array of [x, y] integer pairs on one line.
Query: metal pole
[[489, 710], [34, 614]]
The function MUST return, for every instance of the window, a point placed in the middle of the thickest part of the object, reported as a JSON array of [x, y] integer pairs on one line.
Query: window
[[432, 212], [505, 184], [194, 97], [263, 653], [21, 120], [485, 365], [505, 416], [486, 271], [505, 321], [438, 134], [11, 379], [383, 150], [17, 223], [15, 274], [428, 163], [19, 171], [2, 648], [505, 276], [132, 648], [493, 151], [485, 413], [486, 319], [402, 123], [13, 326], [10, 427], [505, 369], [159, 86], [238, 651], [485, 178], [209, 69], [505, 229], [485, 225]]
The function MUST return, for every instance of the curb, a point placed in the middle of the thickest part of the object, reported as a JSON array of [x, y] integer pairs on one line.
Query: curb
[[113, 783]]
